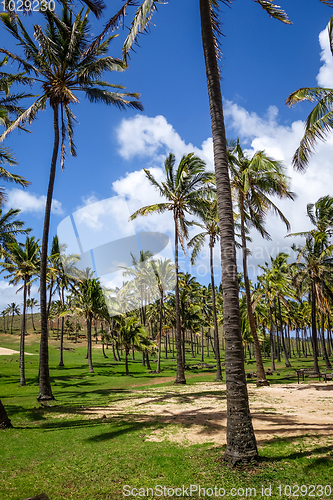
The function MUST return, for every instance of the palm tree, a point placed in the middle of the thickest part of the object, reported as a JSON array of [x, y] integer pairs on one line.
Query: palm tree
[[32, 302], [211, 230], [132, 335], [88, 301], [321, 216], [253, 181], [61, 276], [241, 443], [144, 283], [164, 272], [22, 264], [319, 122], [314, 273], [184, 190], [13, 309], [58, 62], [10, 227]]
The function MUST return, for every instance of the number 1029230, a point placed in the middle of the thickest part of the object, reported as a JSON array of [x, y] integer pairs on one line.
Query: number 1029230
[[304, 490], [27, 5]]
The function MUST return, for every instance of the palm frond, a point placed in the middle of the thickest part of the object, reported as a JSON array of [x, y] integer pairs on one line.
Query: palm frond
[[158, 208], [274, 10], [140, 24], [113, 98]]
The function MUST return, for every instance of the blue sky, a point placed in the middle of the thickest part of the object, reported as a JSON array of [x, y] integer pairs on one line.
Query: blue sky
[[263, 62]]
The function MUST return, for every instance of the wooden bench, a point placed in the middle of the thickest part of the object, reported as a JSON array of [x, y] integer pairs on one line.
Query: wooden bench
[[312, 374]]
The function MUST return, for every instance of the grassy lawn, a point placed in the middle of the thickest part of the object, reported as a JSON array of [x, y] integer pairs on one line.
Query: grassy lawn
[[59, 450]]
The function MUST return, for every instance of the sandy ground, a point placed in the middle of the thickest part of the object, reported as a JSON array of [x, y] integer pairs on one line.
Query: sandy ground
[[6, 352], [197, 413]]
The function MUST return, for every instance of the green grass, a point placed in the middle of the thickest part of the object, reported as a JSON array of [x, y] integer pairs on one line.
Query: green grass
[[56, 449]]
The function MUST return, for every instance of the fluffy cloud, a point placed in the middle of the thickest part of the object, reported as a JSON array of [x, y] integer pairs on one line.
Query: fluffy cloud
[[325, 75], [8, 295], [30, 202], [154, 138]]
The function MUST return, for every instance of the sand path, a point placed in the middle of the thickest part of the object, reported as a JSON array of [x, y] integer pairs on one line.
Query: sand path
[[6, 352], [197, 413]]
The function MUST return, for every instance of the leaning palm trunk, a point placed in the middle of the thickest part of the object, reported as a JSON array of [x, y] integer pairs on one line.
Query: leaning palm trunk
[[5, 423], [180, 377], [216, 332], [261, 377], [22, 364], [45, 391], [241, 442]]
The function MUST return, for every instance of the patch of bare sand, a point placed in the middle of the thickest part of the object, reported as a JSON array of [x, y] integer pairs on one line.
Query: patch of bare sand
[[6, 352], [197, 413]]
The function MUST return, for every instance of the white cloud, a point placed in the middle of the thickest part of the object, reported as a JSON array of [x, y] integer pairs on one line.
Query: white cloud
[[325, 75], [154, 138], [30, 202], [8, 295]]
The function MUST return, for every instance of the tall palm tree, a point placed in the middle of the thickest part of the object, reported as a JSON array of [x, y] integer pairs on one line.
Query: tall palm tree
[[241, 442], [143, 287], [211, 229], [57, 61], [184, 189], [88, 301], [164, 272], [318, 124], [254, 180], [321, 216], [22, 264], [32, 302], [314, 272], [13, 309], [132, 335]]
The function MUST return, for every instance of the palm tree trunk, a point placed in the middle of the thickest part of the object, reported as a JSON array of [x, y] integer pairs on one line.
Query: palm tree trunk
[[322, 330], [314, 330], [241, 441], [216, 331], [180, 377], [62, 299], [271, 337], [261, 376], [61, 362], [32, 319], [22, 365], [45, 391], [5, 423], [126, 361], [202, 345], [91, 369], [11, 324], [286, 360], [158, 368]]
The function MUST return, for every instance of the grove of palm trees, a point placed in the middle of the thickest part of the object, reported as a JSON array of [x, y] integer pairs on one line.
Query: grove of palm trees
[[124, 369]]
